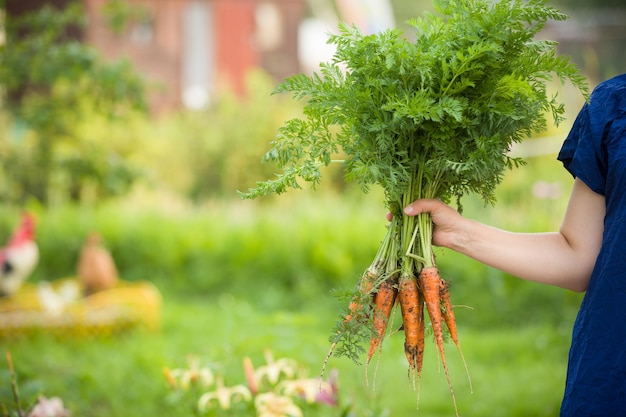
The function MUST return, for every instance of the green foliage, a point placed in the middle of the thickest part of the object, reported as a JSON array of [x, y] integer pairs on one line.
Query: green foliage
[[223, 143], [66, 83], [119, 14], [207, 155], [444, 108]]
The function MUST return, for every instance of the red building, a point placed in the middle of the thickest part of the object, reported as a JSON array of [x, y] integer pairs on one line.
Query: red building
[[192, 49]]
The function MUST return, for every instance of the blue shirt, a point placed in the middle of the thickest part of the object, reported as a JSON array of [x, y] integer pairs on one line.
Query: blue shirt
[[595, 152]]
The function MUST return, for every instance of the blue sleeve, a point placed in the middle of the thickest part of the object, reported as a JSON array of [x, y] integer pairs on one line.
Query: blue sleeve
[[583, 153]]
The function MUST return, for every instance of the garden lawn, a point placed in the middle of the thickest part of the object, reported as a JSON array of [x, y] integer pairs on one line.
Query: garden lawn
[[515, 371]]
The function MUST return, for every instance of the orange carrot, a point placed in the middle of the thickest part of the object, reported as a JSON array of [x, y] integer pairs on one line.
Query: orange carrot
[[446, 310], [429, 283], [448, 316], [412, 314], [384, 300]]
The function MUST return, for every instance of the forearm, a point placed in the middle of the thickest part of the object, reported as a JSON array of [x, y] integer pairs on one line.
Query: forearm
[[565, 258], [547, 258]]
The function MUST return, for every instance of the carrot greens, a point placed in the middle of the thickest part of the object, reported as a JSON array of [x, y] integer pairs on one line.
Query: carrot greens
[[429, 114]]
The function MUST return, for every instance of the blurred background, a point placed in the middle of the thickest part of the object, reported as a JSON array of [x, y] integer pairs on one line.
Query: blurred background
[[139, 120]]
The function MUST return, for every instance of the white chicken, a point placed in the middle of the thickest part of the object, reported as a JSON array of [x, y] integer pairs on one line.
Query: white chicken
[[19, 257]]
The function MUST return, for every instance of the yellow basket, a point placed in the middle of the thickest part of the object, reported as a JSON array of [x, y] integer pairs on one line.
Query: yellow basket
[[65, 312]]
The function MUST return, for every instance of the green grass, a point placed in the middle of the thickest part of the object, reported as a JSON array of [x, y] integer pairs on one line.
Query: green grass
[[238, 278], [515, 372]]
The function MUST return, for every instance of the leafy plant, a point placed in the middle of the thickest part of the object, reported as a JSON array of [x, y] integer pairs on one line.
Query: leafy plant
[[433, 117], [280, 388], [66, 83]]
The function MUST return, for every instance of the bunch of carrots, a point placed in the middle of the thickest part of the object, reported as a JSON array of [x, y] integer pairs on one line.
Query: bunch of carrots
[[407, 280]]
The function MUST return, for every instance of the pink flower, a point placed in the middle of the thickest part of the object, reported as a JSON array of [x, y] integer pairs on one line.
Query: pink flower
[[329, 390], [48, 407], [312, 390]]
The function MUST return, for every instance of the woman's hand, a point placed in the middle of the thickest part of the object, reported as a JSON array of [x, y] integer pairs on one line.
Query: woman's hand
[[448, 223]]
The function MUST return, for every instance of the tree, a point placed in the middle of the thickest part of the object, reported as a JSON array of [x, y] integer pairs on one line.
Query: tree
[[52, 83]]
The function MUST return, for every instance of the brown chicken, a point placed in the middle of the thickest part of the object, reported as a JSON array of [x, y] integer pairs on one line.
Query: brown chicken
[[96, 269]]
